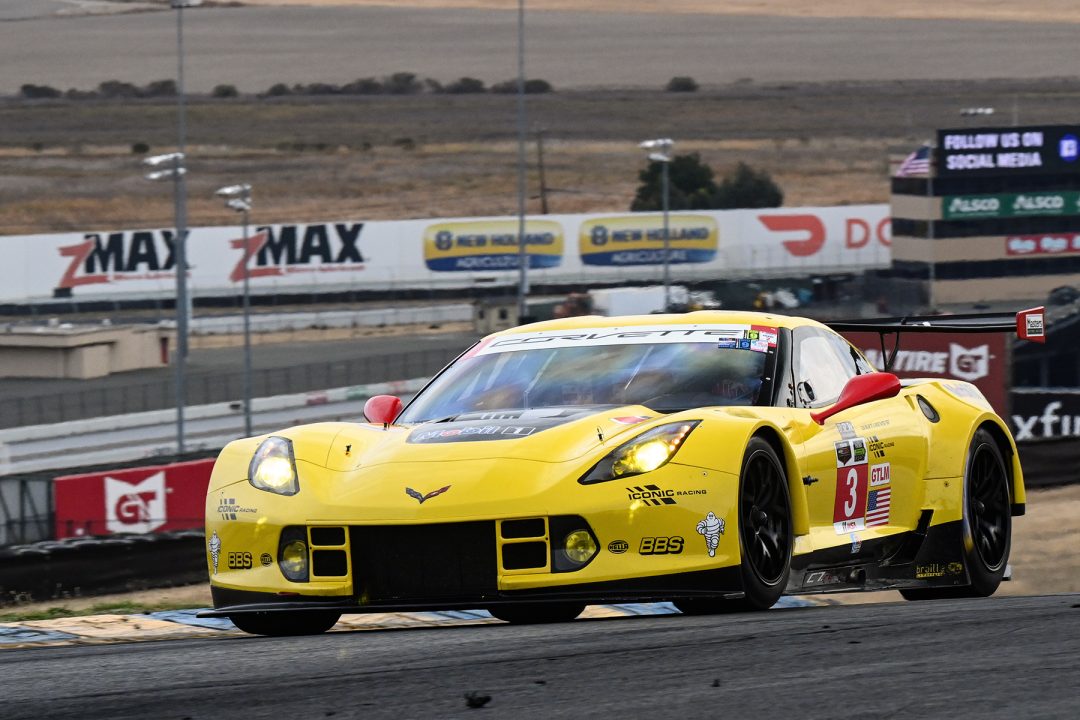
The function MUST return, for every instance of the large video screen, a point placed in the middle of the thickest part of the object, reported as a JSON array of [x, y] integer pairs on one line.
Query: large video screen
[[1032, 150]]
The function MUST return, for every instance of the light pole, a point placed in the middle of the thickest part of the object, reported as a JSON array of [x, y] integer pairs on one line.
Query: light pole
[[238, 198], [523, 255], [173, 164], [660, 151]]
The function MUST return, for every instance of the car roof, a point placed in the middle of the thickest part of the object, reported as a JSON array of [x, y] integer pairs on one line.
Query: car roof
[[698, 317]]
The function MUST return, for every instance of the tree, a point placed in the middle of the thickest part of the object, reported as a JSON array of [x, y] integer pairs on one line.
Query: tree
[[748, 188], [691, 185]]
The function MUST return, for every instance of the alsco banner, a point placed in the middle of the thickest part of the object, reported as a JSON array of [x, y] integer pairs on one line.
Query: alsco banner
[[639, 240], [1006, 205], [491, 245]]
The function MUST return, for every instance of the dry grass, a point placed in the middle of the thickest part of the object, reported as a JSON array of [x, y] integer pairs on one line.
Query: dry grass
[[1030, 11]]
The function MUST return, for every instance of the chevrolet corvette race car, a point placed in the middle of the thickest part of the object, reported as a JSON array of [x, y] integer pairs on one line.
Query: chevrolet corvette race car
[[713, 459]]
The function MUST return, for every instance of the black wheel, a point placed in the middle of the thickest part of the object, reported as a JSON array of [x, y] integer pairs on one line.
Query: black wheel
[[284, 624], [536, 613], [987, 523], [765, 535]]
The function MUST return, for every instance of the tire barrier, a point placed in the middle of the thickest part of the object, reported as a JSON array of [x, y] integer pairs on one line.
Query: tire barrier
[[89, 566]]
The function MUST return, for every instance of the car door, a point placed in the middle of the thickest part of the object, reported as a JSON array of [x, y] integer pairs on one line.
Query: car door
[[864, 466]]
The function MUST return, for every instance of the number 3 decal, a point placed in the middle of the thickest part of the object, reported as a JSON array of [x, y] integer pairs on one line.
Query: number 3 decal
[[851, 487]]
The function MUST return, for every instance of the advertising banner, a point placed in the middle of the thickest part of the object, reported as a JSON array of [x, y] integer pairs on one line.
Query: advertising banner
[[1033, 150], [1039, 414], [1046, 244], [135, 500], [977, 358], [446, 253], [1006, 205]]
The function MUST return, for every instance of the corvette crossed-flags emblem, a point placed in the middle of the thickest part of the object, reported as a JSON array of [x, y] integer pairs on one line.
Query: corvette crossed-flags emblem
[[421, 498]]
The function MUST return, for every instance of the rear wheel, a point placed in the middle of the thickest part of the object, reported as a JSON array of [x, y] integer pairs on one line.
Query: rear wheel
[[765, 534], [284, 624], [537, 613], [987, 523]]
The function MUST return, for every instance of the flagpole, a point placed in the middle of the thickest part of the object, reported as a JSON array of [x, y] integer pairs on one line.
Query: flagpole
[[930, 222]]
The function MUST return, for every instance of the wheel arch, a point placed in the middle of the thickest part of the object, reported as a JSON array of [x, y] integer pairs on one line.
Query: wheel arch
[[1003, 439], [800, 512]]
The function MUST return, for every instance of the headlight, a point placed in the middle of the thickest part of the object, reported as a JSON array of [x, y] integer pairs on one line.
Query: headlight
[[273, 468], [645, 453]]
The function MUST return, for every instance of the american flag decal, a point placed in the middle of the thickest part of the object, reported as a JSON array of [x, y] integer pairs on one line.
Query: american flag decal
[[877, 507]]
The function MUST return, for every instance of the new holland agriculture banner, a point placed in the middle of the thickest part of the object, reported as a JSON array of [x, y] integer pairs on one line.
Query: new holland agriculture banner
[[445, 253]]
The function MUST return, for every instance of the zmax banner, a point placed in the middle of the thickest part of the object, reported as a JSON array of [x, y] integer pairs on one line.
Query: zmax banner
[[445, 253]]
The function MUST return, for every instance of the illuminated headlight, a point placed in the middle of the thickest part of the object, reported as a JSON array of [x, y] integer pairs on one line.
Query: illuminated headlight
[[645, 453], [273, 468], [579, 546]]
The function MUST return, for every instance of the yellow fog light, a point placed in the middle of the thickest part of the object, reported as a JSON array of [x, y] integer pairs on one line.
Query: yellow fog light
[[294, 560], [579, 546]]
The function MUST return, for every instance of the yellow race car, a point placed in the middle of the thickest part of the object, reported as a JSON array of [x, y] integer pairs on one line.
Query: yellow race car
[[712, 459]]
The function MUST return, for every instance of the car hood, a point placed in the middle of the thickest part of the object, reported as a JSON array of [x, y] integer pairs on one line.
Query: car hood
[[545, 435]]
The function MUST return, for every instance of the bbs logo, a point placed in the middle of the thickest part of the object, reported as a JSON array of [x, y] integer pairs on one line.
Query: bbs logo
[[661, 546], [239, 561]]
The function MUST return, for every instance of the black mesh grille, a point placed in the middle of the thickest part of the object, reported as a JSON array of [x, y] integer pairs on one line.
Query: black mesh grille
[[327, 536], [533, 527], [403, 563], [329, 563], [518, 556]]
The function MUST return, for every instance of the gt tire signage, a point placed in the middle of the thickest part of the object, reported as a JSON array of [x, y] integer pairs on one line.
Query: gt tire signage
[[136, 500]]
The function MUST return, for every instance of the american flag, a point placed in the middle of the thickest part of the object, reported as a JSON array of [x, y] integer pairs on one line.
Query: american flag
[[877, 507], [917, 163]]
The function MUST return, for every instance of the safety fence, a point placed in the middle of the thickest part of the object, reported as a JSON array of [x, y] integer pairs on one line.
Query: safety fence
[[122, 397]]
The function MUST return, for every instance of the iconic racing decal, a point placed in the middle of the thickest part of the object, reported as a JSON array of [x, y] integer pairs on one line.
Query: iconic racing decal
[[936, 570], [215, 550], [661, 546], [228, 509], [618, 547], [878, 447], [239, 561], [655, 495], [846, 430], [505, 425], [420, 498], [880, 475], [596, 337], [651, 495], [639, 239], [485, 245], [712, 528], [266, 559]]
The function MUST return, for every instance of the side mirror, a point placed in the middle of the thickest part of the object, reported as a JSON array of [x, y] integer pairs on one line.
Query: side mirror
[[382, 409], [858, 390]]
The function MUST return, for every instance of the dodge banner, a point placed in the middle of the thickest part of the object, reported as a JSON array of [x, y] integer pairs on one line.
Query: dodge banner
[[134, 500], [351, 255]]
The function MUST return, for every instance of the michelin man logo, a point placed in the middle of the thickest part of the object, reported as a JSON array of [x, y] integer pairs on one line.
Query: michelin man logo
[[712, 528], [215, 549]]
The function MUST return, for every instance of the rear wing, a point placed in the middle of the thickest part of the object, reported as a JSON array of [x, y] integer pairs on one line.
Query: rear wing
[[1028, 324]]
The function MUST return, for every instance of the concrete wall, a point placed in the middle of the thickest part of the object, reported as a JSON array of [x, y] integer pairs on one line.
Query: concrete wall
[[79, 352]]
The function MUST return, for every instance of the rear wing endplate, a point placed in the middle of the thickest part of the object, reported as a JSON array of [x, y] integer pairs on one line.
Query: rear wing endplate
[[1028, 324]]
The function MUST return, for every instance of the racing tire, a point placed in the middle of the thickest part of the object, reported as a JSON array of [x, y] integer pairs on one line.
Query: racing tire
[[987, 524], [537, 613], [285, 624], [765, 535]]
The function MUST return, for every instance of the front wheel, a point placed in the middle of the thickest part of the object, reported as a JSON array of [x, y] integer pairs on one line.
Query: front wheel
[[987, 523], [536, 613], [285, 624], [765, 535]]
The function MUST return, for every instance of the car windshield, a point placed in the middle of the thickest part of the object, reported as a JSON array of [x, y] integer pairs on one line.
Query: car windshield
[[665, 374]]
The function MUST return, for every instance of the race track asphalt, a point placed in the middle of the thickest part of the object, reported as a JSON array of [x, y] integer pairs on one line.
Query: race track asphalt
[[995, 658]]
